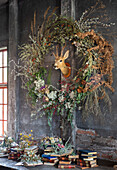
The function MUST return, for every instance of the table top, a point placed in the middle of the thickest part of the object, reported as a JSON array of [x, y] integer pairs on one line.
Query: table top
[[11, 164]]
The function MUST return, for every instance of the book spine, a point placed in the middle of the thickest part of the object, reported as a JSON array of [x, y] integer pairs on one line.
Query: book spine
[[66, 166], [65, 162], [80, 160], [47, 160], [63, 159], [86, 164]]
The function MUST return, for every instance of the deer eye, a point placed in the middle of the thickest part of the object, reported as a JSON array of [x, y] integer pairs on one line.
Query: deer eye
[[60, 60]]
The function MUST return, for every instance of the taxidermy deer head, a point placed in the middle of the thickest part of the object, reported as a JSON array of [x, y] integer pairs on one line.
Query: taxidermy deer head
[[60, 61]]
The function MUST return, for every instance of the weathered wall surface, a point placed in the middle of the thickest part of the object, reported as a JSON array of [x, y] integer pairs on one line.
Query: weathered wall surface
[[98, 133], [106, 147], [26, 15], [4, 25], [104, 137], [105, 125]]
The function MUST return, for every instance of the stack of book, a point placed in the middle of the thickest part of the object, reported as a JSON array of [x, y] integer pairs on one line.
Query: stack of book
[[49, 149], [31, 148], [68, 161], [14, 153], [49, 160], [87, 159]]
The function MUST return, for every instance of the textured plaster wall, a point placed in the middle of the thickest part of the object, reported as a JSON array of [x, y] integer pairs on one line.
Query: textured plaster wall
[[101, 128], [3, 25], [99, 133], [26, 14], [105, 125]]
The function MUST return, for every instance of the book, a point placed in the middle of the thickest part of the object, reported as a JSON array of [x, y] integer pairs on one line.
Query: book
[[88, 157], [63, 158], [19, 164], [49, 163], [73, 160], [73, 156], [48, 160], [65, 162], [89, 152], [49, 157], [31, 148], [66, 166], [86, 164], [48, 149], [93, 165], [33, 163], [84, 161], [82, 167]]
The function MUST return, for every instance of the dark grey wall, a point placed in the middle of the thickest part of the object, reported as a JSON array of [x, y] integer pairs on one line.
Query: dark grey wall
[[3, 25], [105, 124], [26, 14]]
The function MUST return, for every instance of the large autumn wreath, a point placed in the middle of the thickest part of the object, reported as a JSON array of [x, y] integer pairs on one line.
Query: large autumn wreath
[[87, 87]]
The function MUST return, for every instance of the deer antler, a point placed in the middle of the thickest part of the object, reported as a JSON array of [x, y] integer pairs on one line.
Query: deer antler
[[63, 50], [56, 55]]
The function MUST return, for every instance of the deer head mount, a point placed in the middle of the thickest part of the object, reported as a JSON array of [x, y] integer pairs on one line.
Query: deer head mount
[[60, 62]]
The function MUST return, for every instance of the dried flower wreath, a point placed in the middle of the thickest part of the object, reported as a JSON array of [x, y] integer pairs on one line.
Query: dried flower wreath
[[87, 87]]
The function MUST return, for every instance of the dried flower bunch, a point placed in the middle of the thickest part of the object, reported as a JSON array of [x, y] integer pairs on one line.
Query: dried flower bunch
[[89, 84], [25, 140]]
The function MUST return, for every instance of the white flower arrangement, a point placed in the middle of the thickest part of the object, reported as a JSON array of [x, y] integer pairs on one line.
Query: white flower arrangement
[[52, 95], [61, 98], [71, 95], [67, 105], [39, 83]]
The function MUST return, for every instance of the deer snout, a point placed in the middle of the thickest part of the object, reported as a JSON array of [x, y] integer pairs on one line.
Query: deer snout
[[56, 67]]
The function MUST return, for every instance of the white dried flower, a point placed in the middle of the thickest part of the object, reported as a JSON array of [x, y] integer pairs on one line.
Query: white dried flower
[[52, 95], [61, 98], [39, 83], [71, 95], [67, 105]]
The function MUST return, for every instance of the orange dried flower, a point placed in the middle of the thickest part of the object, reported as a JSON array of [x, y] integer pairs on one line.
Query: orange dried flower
[[73, 88], [80, 89], [83, 82], [77, 80]]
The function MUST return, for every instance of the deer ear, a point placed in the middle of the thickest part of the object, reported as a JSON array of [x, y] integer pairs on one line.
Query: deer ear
[[66, 54]]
